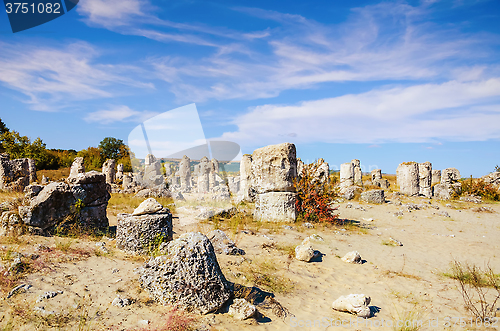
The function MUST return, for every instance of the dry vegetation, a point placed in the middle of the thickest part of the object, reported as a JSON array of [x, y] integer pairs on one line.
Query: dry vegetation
[[55, 175]]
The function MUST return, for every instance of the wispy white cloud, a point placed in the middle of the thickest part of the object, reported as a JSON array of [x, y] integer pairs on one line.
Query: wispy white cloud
[[384, 42], [422, 113], [53, 78], [120, 113]]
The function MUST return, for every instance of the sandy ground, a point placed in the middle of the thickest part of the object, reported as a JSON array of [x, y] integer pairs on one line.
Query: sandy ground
[[399, 279]]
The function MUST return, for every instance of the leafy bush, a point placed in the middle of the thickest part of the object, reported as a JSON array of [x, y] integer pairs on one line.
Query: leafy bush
[[479, 187], [315, 197]]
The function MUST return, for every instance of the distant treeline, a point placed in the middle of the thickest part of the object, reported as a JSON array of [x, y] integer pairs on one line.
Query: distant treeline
[[18, 146]]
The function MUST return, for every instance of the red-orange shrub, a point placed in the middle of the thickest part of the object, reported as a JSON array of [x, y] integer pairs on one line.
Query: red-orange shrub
[[315, 197]]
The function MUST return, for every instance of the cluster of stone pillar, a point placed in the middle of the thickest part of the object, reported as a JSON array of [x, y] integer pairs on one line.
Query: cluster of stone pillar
[[417, 179]]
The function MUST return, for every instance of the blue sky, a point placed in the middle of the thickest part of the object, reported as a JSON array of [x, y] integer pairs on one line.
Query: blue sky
[[384, 82]]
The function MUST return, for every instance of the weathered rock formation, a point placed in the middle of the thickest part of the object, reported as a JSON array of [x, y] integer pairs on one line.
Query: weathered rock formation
[[450, 184], [357, 173], [436, 177], [425, 179], [77, 167], [16, 174], [353, 303], [187, 275], [377, 179], [108, 169], [223, 244], [143, 230], [373, 196], [407, 178], [83, 200], [274, 168], [246, 178]]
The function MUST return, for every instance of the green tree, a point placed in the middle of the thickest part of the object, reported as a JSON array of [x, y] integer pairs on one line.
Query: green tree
[[3, 127], [18, 147], [111, 148]]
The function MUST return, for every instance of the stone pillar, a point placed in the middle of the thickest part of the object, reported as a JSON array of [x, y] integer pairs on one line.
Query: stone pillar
[[185, 173], [346, 175], [425, 179], [108, 168], [450, 176], [32, 170], [274, 169], [450, 184], [357, 173], [376, 174], [246, 177], [436, 177], [77, 167], [407, 178], [119, 171], [323, 172], [215, 166], [300, 167]]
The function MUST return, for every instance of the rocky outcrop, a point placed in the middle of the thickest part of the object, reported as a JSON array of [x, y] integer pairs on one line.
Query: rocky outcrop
[[16, 174], [145, 229], [187, 275], [357, 173]]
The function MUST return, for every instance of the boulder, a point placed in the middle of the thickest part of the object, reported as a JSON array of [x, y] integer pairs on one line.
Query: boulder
[[275, 206], [373, 196], [241, 309], [84, 200], [274, 168], [445, 191], [50, 207], [407, 178], [223, 244], [187, 275], [143, 232], [353, 303], [148, 206], [352, 257], [304, 251]]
